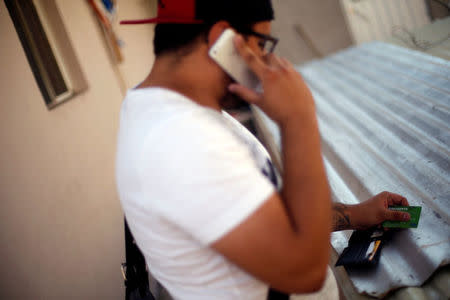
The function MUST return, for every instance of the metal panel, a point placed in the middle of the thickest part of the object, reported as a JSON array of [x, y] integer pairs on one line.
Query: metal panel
[[384, 116]]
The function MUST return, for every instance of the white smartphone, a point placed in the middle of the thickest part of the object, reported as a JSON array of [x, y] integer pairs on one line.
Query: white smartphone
[[226, 55]]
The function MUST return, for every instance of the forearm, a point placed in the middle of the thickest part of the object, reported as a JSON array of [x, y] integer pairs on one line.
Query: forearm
[[349, 217], [305, 187], [341, 217]]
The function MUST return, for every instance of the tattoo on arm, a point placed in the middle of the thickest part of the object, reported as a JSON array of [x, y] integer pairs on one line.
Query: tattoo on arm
[[341, 219]]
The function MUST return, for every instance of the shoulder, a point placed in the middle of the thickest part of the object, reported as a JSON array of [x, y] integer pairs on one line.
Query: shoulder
[[199, 136], [154, 99]]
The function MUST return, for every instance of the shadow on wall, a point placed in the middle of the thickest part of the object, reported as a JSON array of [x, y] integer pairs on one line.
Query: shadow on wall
[[309, 29]]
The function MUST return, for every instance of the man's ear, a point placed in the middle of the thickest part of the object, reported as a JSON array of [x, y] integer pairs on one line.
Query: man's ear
[[215, 32]]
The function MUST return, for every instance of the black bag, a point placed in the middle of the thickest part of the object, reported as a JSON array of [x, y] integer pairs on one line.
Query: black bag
[[134, 271], [276, 295]]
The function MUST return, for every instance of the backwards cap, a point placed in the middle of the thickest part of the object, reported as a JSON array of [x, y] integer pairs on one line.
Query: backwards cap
[[209, 11]]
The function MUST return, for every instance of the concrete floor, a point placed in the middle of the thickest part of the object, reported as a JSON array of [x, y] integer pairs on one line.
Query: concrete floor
[[309, 29]]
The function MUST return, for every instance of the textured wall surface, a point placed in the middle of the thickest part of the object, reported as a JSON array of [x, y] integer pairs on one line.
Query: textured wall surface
[[309, 29], [61, 226]]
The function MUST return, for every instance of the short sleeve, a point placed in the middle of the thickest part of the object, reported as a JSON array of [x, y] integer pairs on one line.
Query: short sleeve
[[198, 175]]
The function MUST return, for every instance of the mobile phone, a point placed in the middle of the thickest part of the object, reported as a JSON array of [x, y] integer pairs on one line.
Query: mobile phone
[[228, 58]]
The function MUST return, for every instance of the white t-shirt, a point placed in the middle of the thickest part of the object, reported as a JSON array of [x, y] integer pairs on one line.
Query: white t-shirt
[[186, 176]]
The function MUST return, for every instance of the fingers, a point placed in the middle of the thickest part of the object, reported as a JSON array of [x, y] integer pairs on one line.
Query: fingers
[[254, 62], [393, 200], [396, 199], [275, 61], [285, 62], [396, 215], [244, 92]]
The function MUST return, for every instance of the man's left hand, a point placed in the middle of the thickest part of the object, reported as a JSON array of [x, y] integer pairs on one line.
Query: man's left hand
[[375, 210]]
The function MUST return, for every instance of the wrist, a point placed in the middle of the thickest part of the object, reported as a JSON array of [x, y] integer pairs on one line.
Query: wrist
[[298, 119], [341, 217], [358, 219], [346, 217], [302, 111]]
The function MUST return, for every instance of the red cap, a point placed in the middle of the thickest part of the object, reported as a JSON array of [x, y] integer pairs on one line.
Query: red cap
[[171, 11]]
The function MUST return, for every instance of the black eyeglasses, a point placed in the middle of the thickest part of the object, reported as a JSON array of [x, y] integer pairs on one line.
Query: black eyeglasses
[[267, 43]]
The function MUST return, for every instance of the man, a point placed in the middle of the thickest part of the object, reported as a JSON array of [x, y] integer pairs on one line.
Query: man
[[192, 180]]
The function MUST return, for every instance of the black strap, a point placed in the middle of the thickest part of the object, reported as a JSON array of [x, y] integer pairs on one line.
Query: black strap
[[276, 295], [136, 282], [271, 175]]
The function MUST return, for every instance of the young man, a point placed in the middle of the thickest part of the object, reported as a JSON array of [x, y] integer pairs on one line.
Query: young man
[[192, 181]]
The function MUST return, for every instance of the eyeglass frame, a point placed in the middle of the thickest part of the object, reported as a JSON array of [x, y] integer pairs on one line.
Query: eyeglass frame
[[263, 36]]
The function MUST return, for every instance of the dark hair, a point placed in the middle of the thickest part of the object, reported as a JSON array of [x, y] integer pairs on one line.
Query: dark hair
[[175, 37], [170, 38], [241, 14]]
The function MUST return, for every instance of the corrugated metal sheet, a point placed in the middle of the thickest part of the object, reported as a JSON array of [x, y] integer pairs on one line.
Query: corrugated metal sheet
[[384, 116]]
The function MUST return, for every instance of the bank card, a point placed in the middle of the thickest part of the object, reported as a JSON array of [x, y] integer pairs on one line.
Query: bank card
[[414, 212]]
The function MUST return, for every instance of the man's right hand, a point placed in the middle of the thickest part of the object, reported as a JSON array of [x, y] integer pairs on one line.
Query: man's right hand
[[285, 94], [286, 241]]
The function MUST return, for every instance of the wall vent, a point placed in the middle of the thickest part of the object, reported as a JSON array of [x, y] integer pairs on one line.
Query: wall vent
[[48, 49]]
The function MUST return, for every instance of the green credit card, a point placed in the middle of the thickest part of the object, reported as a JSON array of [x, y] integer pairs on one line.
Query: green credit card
[[414, 212]]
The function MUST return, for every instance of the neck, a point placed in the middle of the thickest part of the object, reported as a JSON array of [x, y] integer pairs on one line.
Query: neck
[[192, 76]]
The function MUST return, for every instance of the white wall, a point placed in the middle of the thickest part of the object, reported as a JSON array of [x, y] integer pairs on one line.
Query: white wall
[[380, 19], [61, 226], [321, 22]]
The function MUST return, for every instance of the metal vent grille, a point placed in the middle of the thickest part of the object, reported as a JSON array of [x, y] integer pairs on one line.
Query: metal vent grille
[[48, 49]]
